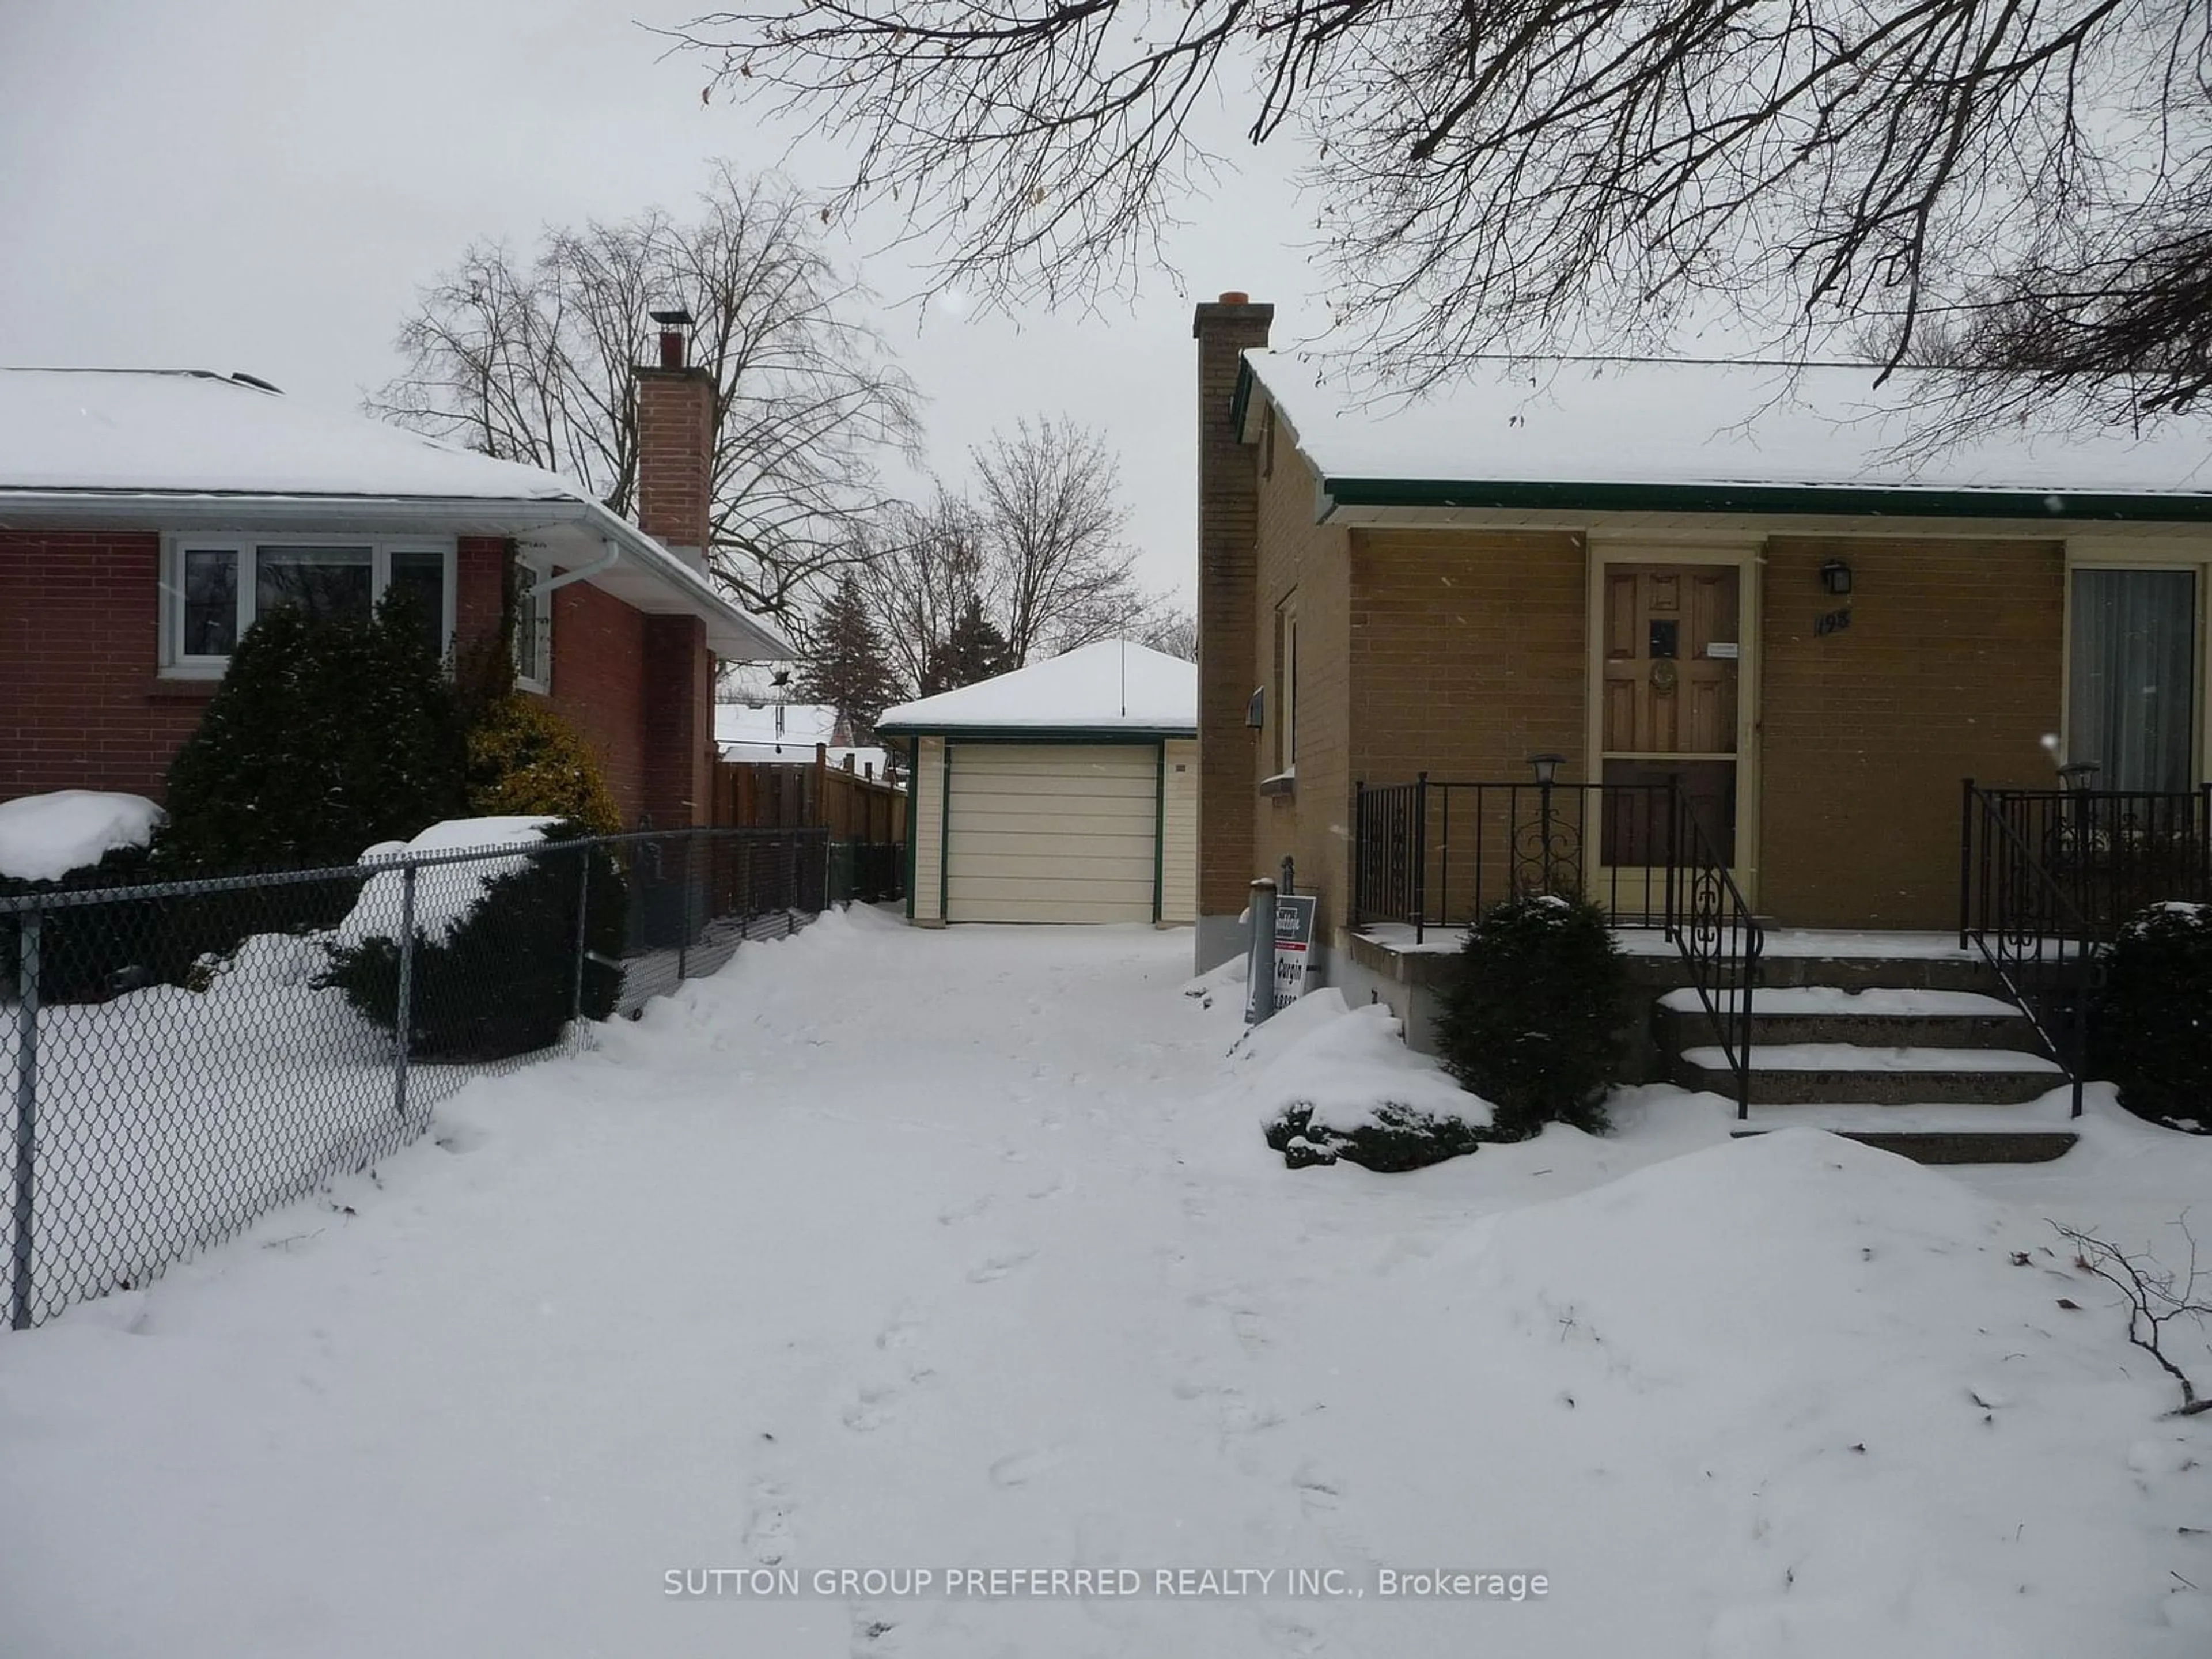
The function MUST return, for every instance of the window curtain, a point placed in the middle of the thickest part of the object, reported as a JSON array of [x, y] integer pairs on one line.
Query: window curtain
[[2135, 677]]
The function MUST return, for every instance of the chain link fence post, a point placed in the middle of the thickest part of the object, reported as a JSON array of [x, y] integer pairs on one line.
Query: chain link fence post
[[405, 1022], [26, 1115], [583, 932]]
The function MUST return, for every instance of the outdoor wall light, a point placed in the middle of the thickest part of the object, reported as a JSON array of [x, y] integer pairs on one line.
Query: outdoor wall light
[[1547, 768], [1255, 712], [1835, 577], [2080, 775]]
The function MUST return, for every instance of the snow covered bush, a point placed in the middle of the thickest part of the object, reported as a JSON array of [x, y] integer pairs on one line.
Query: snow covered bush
[[1530, 1017], [1333, 1081], [76, 838], [494, 960], [2155, 1021], [324, 736]]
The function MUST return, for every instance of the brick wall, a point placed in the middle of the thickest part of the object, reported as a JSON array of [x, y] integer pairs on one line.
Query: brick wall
[[82, 707], [1950, 669], [1303, 569], [1228, 511], [80, 638], [675, 450], [675, 498]]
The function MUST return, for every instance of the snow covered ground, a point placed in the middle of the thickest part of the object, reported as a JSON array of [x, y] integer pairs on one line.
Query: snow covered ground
[[889, 1249]]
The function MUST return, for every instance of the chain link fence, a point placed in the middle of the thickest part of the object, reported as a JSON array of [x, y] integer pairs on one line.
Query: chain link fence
[[180, 1058]]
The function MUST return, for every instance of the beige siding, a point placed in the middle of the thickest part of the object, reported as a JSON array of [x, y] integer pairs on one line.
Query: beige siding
[[1052, 832], [927, 828], [1179, 825]]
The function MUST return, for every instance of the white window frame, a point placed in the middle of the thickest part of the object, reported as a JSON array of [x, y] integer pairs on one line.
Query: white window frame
[[1287, 728], [533, 612], [177, 664]]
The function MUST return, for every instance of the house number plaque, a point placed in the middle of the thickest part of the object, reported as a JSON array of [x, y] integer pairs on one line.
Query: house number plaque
[[1831, 622]]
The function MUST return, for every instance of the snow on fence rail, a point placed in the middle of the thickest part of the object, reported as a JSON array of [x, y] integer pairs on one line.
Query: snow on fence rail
[[180, 1058]]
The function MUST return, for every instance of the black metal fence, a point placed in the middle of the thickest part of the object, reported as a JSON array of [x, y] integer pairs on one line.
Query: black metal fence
[[1435, 855], [180, 1058], [1429, 854], [867, 872], [2047, 878]]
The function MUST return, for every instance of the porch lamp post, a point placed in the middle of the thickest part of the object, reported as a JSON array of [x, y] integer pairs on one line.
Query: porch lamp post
[[1546, 768], [2074, 782]]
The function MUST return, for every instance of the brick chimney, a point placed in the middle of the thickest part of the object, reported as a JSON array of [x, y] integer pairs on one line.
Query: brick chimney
[[675, 445], [675, 494], [1228, 538]]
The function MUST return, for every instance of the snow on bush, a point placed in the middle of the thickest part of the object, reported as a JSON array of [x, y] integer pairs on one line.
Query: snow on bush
[[1334, 1081], [44, 838], [446, 895]]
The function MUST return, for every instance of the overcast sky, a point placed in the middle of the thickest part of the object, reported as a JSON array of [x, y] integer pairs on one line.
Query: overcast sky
[[262, 184]]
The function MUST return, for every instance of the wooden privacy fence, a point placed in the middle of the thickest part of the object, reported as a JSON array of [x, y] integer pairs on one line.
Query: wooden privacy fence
[[810, 795]]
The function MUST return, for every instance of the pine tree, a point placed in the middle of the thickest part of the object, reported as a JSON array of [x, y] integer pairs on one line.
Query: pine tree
[[850, 669], [973, 650]]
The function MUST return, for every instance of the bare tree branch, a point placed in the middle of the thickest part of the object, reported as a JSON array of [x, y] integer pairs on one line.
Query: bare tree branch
[[2156, 1298], [532, 361], [2033, 176]]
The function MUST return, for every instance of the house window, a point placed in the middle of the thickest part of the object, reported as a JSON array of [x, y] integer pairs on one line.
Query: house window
[[1287, 678], [2132, 698], [533, 628], [214, 587]]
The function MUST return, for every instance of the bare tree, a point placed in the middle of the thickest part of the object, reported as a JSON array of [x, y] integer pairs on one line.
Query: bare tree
[[2155, 1297], [1056, 567], [921, 568], [1522, 175], [530, 359], [1168, 626]]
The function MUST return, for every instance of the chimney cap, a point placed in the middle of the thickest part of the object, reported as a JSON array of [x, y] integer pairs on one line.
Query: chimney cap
[[1235, 296], [675, 317]]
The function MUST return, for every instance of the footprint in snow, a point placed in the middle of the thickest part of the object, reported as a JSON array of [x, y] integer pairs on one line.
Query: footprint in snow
[[899, 1334], [968, 1212], [1024, 1466], [1290, 1635], [767, 1530], [998, 1268], [875, 1406]]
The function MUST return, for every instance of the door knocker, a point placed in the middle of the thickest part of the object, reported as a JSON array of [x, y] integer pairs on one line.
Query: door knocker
[[1663, 678]]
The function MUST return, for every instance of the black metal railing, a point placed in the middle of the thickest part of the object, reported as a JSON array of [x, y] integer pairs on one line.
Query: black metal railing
[[2047, 878], [1720, 939], [180, 1057], [1431, 854]]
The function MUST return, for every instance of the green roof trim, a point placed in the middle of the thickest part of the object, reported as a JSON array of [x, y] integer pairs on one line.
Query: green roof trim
[[1839, 501]]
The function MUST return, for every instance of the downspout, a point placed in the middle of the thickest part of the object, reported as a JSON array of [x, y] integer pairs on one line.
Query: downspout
[[606, 561]]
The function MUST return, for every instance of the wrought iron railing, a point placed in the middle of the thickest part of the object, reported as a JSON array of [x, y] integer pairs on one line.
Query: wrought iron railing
[[1431, 854], [1720, 939], [2048, 877]]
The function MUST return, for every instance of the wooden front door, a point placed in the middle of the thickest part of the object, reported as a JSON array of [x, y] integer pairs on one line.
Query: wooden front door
[[1672, 642]]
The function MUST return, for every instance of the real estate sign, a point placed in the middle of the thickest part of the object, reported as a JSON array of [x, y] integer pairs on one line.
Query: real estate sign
[[1294, 928]]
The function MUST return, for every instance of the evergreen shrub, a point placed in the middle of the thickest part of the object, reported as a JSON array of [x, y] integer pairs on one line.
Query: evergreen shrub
[[2154, 1026], [501, 981], [1530, 1017]]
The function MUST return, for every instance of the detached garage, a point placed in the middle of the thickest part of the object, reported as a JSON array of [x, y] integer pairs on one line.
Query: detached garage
[[1066, 791]]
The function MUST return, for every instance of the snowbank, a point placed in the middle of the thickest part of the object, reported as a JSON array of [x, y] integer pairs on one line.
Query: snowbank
[[446, 895], [44, 838], [1341, 1079]]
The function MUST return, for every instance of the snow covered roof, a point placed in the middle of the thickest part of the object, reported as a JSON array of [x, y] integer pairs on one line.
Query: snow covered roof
[[1712, 437], [1115, 685], [185, 449]]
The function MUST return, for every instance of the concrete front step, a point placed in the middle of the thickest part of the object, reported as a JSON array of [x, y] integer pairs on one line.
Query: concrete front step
[[2033, 1133], [1881, 1017], [1845, 1073]]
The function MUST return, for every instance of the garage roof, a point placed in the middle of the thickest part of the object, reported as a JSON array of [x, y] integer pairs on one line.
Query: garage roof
[[1113, 688]]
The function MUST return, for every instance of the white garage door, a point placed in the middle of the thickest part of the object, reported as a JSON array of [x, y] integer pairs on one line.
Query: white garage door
[[1061, 833]]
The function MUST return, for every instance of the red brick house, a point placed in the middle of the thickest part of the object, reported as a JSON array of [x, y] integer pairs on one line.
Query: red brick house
[[146, 517]]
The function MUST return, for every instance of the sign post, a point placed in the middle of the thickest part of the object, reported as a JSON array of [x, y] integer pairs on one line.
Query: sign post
[[1294, 930], [1259, 953]]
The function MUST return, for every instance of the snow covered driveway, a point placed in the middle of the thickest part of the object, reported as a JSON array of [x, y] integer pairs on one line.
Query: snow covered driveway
[[891, 1249]]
